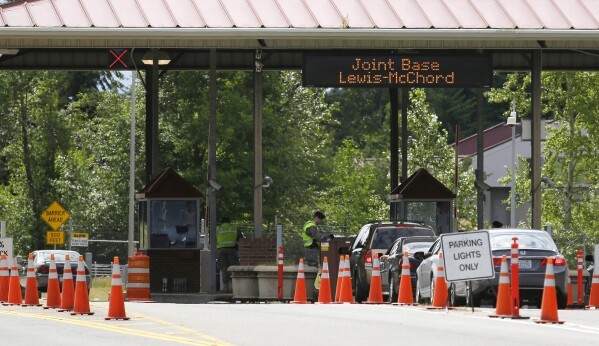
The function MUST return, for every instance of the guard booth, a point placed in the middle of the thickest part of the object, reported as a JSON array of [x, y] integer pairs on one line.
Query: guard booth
[[422, 197], [169, 232]]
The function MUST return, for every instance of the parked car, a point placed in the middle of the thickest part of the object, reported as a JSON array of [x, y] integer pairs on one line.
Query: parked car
[[41, 264], [534, 246], [392, 261], [376, 238]]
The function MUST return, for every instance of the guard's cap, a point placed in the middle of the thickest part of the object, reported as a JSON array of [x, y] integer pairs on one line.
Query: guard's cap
[[319, 215]]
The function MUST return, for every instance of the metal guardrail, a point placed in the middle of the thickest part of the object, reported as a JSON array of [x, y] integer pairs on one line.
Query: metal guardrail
[[101, 269]]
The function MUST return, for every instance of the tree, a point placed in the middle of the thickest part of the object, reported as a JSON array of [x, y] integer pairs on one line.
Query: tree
[[570, 152]]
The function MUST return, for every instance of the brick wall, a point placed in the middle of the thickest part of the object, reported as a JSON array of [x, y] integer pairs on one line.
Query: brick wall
[[257, 251]]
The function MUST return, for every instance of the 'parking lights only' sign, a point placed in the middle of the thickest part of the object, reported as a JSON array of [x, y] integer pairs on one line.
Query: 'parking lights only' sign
[[467, 256]]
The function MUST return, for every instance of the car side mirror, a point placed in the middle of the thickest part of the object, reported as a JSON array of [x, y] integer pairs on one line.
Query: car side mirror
[[589, 258], [344, 250], [419, 255]]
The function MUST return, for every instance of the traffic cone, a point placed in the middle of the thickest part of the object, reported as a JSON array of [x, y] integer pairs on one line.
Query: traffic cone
[[4, 279], [67, 298], [324, 294], [375, 296], [81, 304], [53, 294], [31, 292], [440, 292], [346, 295], [594, 298], [503, 307], [300, 285], [14, 287], [339, 278], [116, 305], [405, 296], [549, 302]]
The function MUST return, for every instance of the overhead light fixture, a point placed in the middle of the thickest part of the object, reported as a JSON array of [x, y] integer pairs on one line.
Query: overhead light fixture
[[161, 56]]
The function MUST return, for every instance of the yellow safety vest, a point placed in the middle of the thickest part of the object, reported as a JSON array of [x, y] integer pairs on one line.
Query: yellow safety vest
[[226, 236], [307, 239]]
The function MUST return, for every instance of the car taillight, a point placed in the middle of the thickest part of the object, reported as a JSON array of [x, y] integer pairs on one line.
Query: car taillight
[[368, 257], [497, 261], [558, 261], [43, 269]]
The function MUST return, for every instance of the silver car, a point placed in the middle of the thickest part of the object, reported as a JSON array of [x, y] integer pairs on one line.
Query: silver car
[[41, 264], [534, 248]]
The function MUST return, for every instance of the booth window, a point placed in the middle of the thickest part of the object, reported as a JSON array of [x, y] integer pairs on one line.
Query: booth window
[[173, 223]]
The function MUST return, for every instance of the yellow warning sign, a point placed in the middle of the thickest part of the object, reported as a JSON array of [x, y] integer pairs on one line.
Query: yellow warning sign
[[55, 237], [55, 216]]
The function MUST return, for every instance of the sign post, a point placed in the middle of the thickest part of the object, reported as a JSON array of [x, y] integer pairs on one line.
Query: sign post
[[467, 256]]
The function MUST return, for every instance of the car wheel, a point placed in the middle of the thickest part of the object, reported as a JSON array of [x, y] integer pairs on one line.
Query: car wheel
[[360, 293], [432, 293], [472, 299], [453, 296], [562, 301], [392, 294], [419, 299]]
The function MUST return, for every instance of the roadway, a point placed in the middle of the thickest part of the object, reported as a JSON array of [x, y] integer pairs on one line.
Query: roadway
[[286, 324]]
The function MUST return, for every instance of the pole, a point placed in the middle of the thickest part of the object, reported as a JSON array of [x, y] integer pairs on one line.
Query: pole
[[212, 171], [456, 178], [3, 229], [515, 279], [579, 282], [280, 263], [130, 238], [513, 183]]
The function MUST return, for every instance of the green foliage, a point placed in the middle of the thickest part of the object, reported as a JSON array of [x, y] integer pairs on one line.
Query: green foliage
[[570, 202], [351, 199]]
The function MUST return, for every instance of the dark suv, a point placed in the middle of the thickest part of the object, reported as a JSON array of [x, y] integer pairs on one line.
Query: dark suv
[[376, 238]]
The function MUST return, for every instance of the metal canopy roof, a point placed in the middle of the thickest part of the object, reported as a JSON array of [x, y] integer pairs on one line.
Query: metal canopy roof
[[566, 30]]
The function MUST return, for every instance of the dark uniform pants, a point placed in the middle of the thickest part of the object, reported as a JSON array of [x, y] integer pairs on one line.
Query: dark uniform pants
[[227, 256]]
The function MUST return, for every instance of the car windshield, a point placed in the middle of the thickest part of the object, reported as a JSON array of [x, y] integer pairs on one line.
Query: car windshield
[[59, 256], [412, 248], [385, 236], [526, 240]]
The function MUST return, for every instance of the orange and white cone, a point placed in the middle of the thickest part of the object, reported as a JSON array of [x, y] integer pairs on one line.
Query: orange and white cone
[[116, 305], [375, 296], [67, 298], [594, 298], [53, 294], [339, 278], [81, 305], [299, 296], [31, 292], [346, 295], [4, 279], [405, 296], [440, 292], [324, 294], [503, 307], [549, 302], [14, 287]]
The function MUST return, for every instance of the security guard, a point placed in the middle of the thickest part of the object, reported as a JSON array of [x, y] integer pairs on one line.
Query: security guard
[[312, 237], [227, 238]]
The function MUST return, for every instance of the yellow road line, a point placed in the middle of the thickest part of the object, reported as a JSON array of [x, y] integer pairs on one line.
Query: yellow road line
[[183, 329], [116, 329]]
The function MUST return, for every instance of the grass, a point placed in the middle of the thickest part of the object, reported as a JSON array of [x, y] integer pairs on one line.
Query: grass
[[100, 289]]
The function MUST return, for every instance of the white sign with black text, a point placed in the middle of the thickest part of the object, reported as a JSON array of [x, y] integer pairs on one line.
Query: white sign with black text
[[6, 247], [467, 256]]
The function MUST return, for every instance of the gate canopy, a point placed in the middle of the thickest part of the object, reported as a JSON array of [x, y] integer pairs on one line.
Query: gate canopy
[[83, 30]]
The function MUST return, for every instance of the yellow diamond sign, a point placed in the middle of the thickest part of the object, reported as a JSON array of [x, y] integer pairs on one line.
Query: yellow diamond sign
[[55, 215]]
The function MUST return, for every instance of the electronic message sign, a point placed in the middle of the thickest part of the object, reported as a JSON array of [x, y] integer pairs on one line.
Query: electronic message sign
[[387, 71]]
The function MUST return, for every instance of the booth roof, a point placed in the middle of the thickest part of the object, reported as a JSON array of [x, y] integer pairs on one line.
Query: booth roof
[[169, 184]]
